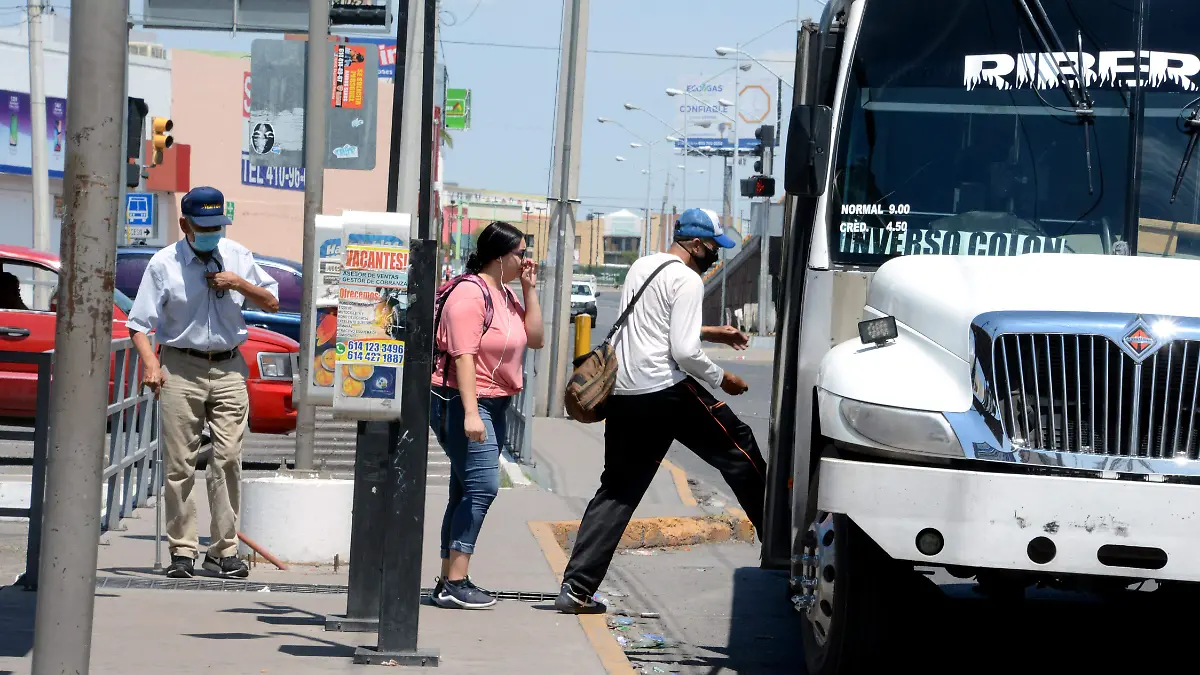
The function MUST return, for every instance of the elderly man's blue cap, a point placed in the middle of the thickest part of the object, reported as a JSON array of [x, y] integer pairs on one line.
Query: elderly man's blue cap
[[702, 224], [205, 206]]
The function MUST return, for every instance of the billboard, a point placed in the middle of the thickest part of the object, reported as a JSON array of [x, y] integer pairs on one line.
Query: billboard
[[16, 156], [700, 114]]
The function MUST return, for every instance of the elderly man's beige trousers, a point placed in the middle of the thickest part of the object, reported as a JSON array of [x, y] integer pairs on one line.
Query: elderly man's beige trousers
[[197, 390]]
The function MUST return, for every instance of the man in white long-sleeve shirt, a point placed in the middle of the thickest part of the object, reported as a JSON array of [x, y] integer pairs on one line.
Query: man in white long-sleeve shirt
[[660, 397]]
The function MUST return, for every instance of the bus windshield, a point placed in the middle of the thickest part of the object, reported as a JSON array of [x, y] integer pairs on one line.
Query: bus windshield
[[966, 131]]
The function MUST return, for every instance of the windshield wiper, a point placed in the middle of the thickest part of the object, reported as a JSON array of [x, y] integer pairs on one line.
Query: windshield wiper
[[1081, 100], [1192, 129]]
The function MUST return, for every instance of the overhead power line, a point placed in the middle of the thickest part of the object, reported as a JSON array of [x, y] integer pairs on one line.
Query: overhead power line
[[607, 52]]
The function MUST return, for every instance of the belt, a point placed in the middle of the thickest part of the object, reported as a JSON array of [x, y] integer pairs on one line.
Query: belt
[[208, 356]]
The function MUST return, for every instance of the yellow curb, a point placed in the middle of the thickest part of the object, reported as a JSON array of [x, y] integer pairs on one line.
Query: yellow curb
[[595, 626], [681, 484]]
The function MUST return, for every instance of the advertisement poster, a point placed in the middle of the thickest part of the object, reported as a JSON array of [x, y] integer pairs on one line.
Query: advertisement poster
[[329, 271], [349, 63], [373, 301], [16, 156]]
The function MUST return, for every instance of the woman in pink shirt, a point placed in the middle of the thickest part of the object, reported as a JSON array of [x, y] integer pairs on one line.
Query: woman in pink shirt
[[482, 334]]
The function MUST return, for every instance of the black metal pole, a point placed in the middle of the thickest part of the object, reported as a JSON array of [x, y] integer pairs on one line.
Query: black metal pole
[[398, 104], [400, 598], [366, 530], [373, 439]]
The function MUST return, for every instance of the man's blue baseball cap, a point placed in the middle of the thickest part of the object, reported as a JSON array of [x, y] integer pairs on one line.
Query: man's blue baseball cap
[[703, 224], [204, 206]]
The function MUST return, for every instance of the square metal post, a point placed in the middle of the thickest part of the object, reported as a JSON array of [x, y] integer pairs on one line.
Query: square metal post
[[367, 529]]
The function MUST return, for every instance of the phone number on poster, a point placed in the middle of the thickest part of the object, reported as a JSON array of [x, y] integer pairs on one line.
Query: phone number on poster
[[391, 354]]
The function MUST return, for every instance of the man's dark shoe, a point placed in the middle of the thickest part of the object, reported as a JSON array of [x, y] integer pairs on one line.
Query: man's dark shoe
[[229, 567], [570, 602], [462, 594], [182, 567]]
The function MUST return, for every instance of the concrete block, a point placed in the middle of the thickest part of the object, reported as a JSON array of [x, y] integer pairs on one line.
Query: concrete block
[[299, 520]]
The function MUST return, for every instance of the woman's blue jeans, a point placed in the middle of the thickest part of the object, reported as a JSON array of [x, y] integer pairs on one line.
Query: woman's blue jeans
[[474, 467]]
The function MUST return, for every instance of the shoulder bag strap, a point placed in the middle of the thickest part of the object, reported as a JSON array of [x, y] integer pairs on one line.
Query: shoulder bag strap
[[637, 296]]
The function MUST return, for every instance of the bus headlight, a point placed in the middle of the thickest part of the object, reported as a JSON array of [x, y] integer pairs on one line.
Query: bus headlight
[[275, 365], [919, 431]]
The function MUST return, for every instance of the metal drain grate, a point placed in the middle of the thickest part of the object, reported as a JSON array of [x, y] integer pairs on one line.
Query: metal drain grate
[[235, 586]]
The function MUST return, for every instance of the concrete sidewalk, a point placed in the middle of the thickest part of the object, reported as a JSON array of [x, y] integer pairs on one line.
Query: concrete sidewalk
[[142, 623], [140, 631]]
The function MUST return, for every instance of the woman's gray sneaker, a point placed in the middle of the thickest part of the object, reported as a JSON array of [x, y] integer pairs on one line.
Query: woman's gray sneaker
[[462, 594], [570, 602]]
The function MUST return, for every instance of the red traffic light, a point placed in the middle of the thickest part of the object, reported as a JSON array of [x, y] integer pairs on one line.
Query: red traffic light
[[758, 186]]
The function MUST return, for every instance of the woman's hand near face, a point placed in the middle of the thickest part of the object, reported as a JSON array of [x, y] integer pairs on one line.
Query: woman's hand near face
[[528, 275]]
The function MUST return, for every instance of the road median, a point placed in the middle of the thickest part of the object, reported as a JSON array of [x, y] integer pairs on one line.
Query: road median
[[667, 532]]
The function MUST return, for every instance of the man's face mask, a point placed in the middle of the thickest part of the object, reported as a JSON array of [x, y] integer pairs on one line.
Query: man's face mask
[[206, 242], [705, 258]]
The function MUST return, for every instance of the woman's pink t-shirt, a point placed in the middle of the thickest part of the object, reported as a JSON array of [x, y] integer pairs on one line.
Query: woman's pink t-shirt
[[498, 353]]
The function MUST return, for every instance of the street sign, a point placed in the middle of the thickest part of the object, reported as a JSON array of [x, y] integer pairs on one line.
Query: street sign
[[243, 16], [458, 109], [136, 232], [229, 209], [139, 210], [350, 119], [277, 105], [275, 130]]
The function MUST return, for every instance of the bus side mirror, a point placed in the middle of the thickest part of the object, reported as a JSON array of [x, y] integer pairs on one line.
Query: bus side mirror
[[808, 150]]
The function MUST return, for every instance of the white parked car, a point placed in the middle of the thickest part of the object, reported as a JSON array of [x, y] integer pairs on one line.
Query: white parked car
[[583, 299]]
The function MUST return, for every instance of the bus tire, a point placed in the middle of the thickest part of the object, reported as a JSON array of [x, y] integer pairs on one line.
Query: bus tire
[[847, 629]]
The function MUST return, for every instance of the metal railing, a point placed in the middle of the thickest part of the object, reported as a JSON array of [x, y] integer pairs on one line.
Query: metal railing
[[132, 471], [134, 433], [519, 441], [40, 436]]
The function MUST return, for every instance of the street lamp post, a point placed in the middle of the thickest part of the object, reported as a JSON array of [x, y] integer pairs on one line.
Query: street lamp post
[[649, 168]]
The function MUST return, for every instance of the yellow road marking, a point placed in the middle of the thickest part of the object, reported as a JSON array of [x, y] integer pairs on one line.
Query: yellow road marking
[[595, 627]]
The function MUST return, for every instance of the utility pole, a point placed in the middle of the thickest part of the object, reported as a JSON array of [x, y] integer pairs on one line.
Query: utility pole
[[315, 102], [41, 176], [764, 239], [94, 173], [646, 250], [728, 215], [662, 219], [564, 197]]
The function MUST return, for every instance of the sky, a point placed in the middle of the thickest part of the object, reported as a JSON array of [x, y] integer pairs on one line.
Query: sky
[[509, 146]]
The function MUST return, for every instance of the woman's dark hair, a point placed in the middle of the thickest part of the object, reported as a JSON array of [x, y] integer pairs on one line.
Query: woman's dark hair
[[495, 241]]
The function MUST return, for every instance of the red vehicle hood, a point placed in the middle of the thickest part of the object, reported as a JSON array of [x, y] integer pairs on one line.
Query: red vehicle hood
[[274, 340]]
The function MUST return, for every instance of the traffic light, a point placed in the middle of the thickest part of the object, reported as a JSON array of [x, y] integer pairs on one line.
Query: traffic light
[[161, 127], [134, 132], [766, 142], [357, 15], [758, 186]]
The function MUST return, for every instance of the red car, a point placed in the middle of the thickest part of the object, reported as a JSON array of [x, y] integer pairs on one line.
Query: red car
[[27, 322]]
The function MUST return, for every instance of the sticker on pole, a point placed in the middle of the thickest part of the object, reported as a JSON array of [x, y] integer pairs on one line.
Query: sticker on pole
[[371, 311], [349, 69]]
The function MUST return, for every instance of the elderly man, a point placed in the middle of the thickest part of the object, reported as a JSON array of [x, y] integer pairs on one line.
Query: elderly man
[[192, 295]]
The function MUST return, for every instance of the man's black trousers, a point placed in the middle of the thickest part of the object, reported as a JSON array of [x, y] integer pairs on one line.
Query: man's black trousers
[[637, 435]]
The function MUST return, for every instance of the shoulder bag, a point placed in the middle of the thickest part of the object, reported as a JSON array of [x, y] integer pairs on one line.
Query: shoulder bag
[[595, 373]]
